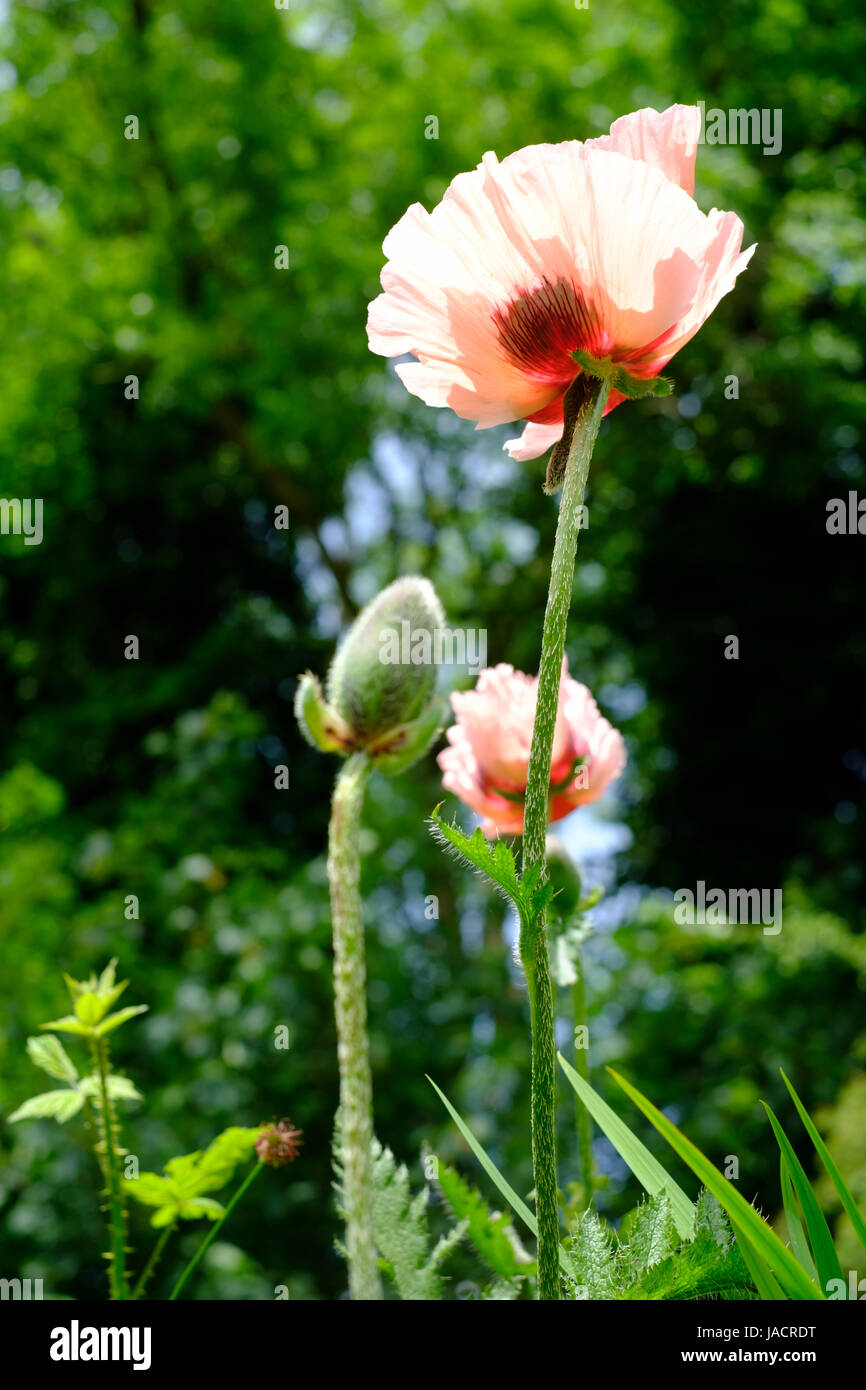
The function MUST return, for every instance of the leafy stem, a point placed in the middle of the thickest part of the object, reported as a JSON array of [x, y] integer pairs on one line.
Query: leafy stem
[[583, 409]]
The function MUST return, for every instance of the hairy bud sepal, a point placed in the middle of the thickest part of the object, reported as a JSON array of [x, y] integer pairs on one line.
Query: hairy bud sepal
[[604, 369], [403, 746], [321, 725]]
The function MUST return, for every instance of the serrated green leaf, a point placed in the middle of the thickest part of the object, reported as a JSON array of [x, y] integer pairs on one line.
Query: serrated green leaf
[[485, 1231], [710, 1217], [652, 1236], [400, 1228], [49, 1053], [494, 861], [50, 1105], [699, 1269], [592, 1257]]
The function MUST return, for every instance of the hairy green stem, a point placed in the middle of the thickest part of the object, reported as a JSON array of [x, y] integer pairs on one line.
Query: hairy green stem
[[353, 1047], [215, 1228], [109, 1162], [147, 1272], [581, 1066], [583, 409]]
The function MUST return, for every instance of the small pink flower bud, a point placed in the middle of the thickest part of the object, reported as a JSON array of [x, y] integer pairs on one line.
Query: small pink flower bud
[[278, 1144]]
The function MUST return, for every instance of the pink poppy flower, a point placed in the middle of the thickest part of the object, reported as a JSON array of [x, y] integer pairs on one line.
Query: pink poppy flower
[[487, 761], [596, 246]]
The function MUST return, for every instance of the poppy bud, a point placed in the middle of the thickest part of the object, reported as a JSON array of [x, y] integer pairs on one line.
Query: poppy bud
[[381, 687]]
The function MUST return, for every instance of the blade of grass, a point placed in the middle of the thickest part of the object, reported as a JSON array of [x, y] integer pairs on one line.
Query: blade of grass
[[793, 1278], [762, 1276], [516, 1203], [823, 1249], [648, 1171], [799, 1243], [825, 1156]]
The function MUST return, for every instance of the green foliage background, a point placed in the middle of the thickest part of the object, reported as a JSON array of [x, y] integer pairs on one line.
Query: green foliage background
[[155, 257]]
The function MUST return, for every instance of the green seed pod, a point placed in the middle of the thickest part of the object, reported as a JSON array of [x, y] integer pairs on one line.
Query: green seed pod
[[383, 675]]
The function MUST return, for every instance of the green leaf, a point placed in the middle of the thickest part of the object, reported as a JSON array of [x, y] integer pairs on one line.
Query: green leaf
[[89, 1009], [485, 1231], [150, 1189], [50, 1105], [826, 1158], [653, 1234], [165, 1216], [758, 1242], [823, 1249], [493, 860], [710, 1217], [220, 1159], [799, 1242], [179, 1194], [49, 1053], [119, 1087], [516, 1203], [592, 1257], [699, 1269], [400, 1226], [201, 1206], [761, 1274], [648, 1171], [511, 1197], [69, 1024], [122, 1016]]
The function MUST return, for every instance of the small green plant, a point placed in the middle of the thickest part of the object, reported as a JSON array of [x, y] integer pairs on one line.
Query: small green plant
[[92, 1020], [182, 1191]]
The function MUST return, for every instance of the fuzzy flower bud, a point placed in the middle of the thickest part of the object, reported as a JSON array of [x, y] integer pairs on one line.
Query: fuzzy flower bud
[[278, 1144], [377, 680], [381, 687]]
